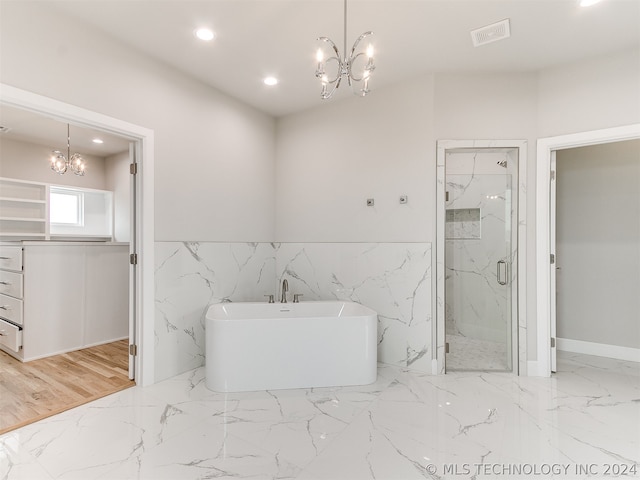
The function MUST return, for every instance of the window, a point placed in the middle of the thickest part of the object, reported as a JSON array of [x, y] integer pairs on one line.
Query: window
[[80, 213], [66, 207]]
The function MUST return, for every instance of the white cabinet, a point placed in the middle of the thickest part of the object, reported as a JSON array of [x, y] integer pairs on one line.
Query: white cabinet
[[73, 295], [10, 336], [11, 303], [23, 210]]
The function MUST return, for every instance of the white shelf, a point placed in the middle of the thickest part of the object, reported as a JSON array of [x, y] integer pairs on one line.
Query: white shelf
[[24, 209], [22, 200], [22, 219]]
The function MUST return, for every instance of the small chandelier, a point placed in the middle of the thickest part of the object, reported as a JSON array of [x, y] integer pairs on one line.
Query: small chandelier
[[357, 67], [60, 164]]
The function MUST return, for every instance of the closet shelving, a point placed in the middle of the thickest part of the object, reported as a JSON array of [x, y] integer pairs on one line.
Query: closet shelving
[[24, 210]]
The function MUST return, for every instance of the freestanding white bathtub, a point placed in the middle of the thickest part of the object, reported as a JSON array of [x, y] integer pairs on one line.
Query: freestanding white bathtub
[[269, 346]]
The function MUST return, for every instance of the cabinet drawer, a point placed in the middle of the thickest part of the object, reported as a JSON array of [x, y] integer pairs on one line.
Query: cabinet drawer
[[11, 258], [10, 336], [11, 283], [11, 309]]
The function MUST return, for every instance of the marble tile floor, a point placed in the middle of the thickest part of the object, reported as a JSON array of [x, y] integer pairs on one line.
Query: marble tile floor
[[466, 353], [407, 425]]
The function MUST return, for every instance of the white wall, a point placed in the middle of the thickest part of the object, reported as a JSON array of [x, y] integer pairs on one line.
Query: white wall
[[216, 172], [214, 156], [596, 93], [598, 244], [119, 182], [331, 159], [28, 161]]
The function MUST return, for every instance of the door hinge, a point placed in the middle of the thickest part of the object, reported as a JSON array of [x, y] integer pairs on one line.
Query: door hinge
[[446, 196], [133, 350], [446, 347], [553, 342], [553, 259], [133, 168], [553, 174], [133, 259]]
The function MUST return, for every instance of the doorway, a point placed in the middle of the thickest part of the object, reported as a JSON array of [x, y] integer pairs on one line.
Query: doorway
[[545, 235], [141, 330], [479, 244]]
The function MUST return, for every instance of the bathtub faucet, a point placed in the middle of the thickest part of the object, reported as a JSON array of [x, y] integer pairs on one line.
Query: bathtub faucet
[[285, 289]]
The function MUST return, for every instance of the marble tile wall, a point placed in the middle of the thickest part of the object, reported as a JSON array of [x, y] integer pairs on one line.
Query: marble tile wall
[[392, 278], [191, 276], [476, 304]]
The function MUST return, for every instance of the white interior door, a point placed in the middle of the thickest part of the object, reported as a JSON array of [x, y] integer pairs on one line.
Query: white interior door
[[553, 265]]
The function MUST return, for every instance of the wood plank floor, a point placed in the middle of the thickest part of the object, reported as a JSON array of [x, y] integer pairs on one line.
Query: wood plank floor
[[38, 389]]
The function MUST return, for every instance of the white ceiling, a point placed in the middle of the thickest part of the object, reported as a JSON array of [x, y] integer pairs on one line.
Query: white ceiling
[[30, 127], [256, 38]]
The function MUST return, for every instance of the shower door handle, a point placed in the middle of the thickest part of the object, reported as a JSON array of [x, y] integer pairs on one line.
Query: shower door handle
[[502, 281]]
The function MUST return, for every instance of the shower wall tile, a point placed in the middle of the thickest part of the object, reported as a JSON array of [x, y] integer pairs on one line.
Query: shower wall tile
[[471, 271], [190, 276], [394, 279]]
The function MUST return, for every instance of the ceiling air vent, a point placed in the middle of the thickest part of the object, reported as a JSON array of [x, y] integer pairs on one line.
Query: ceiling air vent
[[491, 33]]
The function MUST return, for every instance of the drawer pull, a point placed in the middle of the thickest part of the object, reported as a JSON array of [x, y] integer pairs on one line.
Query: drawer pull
[[5, 307], [2, 334], [5, 283], [5, 258]]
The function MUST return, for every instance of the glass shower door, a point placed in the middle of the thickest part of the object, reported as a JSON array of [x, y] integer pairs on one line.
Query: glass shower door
[[478, 252]]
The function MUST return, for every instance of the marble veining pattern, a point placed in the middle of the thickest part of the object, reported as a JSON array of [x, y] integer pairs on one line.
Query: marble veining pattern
[[518, 149], [476, 305], [407, 425], [190, 276], [392, 278]]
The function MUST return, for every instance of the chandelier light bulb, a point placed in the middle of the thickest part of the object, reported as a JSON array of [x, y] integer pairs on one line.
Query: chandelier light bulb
[[370, 51], [319, 56]]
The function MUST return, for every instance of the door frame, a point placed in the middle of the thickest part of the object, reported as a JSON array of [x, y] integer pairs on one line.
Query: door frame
[[546, 148], [520, 343], [144, 206]]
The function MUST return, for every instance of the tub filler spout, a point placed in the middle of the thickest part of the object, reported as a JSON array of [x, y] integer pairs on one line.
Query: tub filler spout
[[285, 289]]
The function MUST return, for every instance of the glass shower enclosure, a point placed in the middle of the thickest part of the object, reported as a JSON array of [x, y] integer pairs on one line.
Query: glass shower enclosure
[[480, 239]]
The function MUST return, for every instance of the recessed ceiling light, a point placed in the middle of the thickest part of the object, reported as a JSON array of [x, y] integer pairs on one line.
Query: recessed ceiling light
[[97, 140], [271, 81], [588, 3], [204, 34]]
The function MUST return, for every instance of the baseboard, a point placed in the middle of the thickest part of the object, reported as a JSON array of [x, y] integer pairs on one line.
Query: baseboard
[[67, 350], [598, 349]]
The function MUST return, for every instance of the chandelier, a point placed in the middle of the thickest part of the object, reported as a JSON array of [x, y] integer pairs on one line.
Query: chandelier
[[356, 68], [60, 164]]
